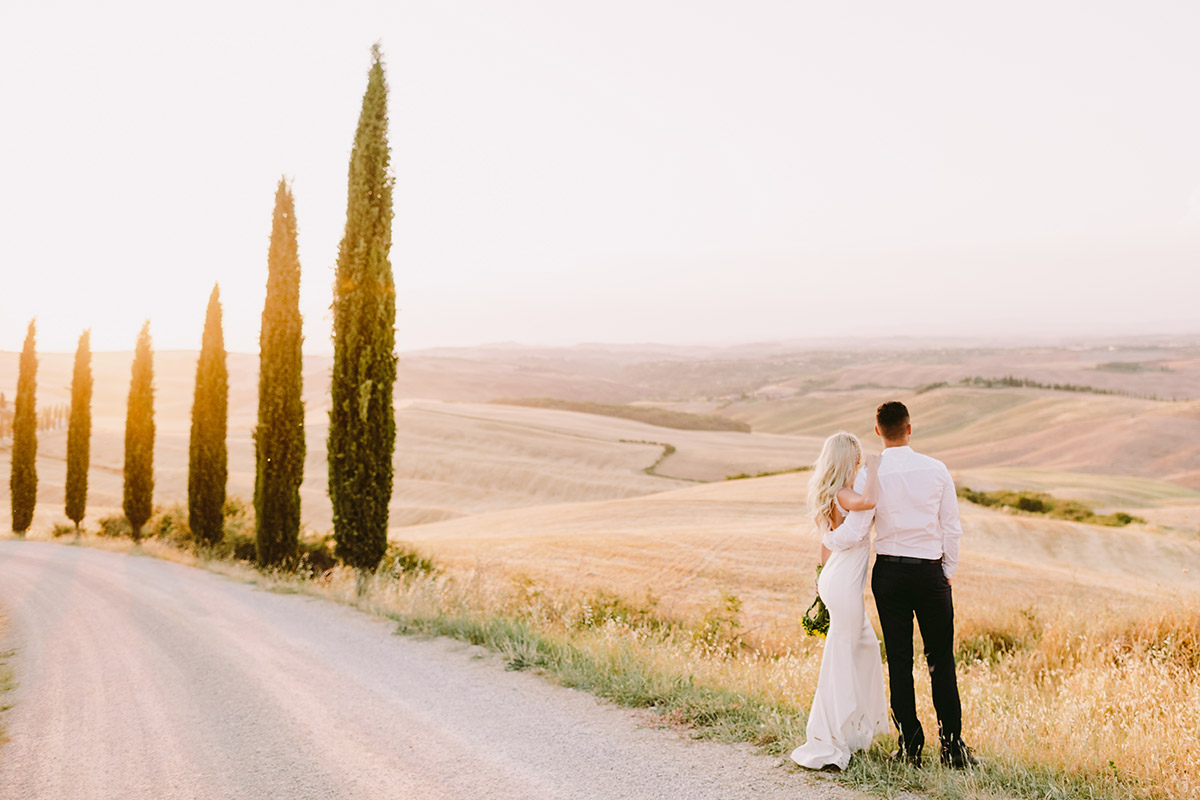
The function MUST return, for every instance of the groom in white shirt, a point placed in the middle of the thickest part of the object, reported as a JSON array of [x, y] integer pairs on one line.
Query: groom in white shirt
[[917, 531]]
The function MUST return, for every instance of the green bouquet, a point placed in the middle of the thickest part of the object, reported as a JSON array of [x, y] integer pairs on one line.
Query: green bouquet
[[816, 619]]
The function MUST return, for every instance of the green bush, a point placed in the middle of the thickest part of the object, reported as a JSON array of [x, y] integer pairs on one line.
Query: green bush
[[115, 527], [234, 545], [63, 530], [170, 525], [604, 607], [1032, 503], [721, 629], [317, 555], [1042, 503], [401, 559]]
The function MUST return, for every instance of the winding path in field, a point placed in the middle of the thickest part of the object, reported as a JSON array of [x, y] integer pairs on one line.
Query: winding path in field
[[139, 678]]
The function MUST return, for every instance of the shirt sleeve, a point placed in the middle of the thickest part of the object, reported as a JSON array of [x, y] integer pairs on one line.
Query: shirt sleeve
[[855, 527], [951, 527]]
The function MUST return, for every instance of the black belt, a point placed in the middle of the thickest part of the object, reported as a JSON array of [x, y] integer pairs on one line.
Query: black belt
[[907, 559]]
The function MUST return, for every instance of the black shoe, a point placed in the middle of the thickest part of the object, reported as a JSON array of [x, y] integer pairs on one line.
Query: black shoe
[[957, 755], [910, 752]]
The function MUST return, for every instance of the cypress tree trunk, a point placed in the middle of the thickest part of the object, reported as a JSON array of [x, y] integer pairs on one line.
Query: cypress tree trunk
[[79, 432], [23, 483], [362, 429], [139, 437], [279, 446], [208, 461]]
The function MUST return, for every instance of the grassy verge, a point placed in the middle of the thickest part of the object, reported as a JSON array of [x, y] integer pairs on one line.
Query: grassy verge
[[1064, 706]]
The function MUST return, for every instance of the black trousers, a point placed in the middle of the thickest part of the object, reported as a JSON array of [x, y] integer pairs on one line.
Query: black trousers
[[902, 591]]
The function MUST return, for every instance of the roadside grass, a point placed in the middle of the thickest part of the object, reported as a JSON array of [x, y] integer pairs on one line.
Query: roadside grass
[[1087, 708], [1063, 703]]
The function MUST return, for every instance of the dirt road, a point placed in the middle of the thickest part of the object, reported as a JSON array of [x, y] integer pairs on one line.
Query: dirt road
[[139, 678]]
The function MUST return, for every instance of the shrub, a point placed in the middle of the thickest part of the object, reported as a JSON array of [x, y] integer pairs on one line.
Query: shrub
[[720, 631], [63, 530], [170, 525], [316, 555], [234, 545], [401, 559], [1042, 503], [1032, 503], [115, 527], [239, 517], [604, 607]]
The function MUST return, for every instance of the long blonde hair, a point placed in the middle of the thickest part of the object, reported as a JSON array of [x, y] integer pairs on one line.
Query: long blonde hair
[[834, 470]]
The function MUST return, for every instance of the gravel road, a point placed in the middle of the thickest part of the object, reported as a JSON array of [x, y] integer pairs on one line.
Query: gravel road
[[139, 678]]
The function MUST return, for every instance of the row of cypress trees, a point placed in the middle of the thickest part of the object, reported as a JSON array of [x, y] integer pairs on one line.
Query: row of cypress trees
[[139, 436], [361, 425]]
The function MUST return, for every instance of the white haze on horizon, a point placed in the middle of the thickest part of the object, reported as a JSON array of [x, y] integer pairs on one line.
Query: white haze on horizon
[[567, 172]]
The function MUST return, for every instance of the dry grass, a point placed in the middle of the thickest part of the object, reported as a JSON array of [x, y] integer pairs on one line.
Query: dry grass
[[1079, 703]]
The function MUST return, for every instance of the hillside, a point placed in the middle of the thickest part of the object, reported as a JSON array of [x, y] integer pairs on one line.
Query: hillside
[[752, 538]]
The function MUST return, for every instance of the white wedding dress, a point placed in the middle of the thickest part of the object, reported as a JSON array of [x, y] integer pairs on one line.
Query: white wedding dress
[[849, 708]]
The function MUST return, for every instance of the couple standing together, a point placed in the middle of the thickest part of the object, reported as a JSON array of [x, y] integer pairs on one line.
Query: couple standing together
[[911, 499]]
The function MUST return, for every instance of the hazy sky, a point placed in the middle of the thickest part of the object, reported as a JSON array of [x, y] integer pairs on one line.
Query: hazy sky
[[617, 171]]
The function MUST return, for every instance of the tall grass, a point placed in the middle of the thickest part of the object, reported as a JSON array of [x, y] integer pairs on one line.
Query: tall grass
[[1061, 704]]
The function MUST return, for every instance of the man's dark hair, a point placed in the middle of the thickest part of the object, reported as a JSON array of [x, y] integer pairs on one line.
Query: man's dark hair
[[892, 419]]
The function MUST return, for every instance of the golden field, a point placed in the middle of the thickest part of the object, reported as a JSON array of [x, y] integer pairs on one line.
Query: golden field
[[1080, 644]]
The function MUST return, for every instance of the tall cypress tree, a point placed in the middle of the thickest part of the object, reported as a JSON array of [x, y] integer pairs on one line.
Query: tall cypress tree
[[79, 432], [23, 483], [362, 429], [208, 460], [139, 436], [279, 438]]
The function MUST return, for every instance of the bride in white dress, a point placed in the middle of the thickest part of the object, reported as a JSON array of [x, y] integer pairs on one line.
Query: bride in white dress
[[849, 708]]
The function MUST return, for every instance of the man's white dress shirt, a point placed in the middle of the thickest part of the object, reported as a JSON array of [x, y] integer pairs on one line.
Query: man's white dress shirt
[[916, 514]]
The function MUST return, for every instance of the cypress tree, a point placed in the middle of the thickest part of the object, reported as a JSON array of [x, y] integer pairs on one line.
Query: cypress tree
[[362, 428], [279, 446], [208, 461], [23, 483], [79, 432], [139, 437]]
